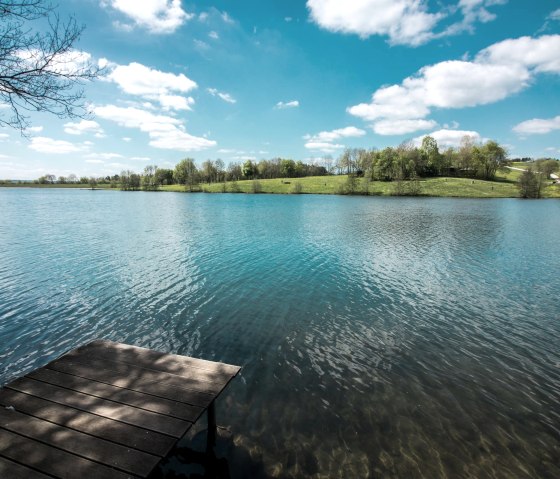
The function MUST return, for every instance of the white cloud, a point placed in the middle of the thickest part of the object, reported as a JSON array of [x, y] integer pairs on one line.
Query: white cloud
[[71, 62], [141, 158], [214, 35], [447, 138], [175, 102], [126, 138], [404, 22], [555, 15], [151, 84], [84, 126], [333, 135], [537, 126], [497, 72], [323, 146], [290, 104], [43, 144], [224, 96], [325, 140], [164, 131], [104, 156], [158, 16], [226, 18], [35, 129], [95, 162], [177, 139], [473, 11], [200, 45], [401, 127], [540, 54]]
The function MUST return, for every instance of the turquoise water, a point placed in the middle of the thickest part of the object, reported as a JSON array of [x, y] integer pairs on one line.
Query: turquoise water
[[380, 337]]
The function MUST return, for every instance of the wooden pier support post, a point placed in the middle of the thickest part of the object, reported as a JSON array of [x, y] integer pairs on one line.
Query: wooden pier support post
[[212, 429]]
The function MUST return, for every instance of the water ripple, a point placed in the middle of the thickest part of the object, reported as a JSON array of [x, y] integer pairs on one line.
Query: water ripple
[[378, 337]]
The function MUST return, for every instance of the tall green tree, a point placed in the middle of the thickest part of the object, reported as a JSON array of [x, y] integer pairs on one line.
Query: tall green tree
[[186, 173], [489, 158], [530, 184], [149, 178], [249, 169]]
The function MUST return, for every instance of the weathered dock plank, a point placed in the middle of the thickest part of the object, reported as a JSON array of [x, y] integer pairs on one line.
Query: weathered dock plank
[[117, 432], [89, 447], [160, 405], [105, 410], [102, 407], [13, 470], [135, 383], [52, 460]]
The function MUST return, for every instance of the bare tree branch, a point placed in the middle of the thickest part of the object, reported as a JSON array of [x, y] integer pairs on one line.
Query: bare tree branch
[[40, 70]]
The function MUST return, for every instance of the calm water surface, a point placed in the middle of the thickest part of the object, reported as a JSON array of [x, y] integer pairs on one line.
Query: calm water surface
[[378, 337]]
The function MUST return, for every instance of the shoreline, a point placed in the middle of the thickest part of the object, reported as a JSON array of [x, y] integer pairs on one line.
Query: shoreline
[[503, 186]]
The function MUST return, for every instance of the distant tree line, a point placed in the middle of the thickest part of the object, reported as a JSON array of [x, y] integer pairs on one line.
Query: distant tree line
[[400, 164]]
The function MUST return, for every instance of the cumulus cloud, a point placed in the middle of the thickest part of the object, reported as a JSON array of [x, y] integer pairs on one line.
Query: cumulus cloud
[[157, 16], [325, 140], [84, 126], [151, 84], [537, 126], [224, 96], [404, 22], [447, 138], [214, 35], [401, 127], [497, 72], [165, 132], [43, 144], [290, 104], [538, 54]]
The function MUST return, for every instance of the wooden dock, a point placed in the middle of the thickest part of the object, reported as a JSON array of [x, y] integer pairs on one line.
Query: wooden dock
[[105, 410]]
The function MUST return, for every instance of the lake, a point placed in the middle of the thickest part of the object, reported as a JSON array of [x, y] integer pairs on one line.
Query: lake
[[380, 337]]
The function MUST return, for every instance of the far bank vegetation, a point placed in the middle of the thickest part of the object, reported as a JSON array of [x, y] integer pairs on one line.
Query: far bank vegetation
[[402, 168]]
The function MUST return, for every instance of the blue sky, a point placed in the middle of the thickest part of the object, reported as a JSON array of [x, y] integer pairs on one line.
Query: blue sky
[[247, 79]]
